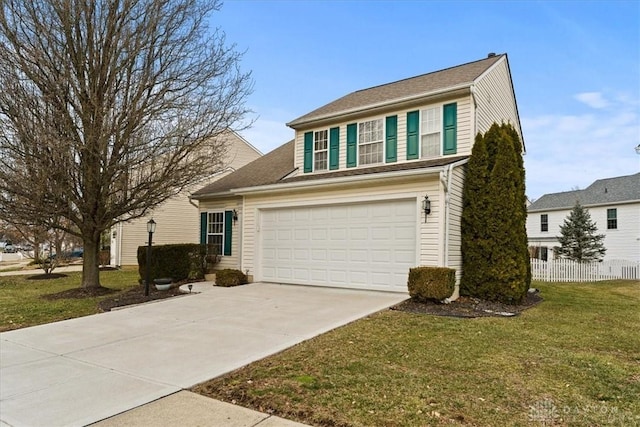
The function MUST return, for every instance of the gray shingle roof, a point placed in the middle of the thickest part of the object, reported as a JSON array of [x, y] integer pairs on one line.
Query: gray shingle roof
[[601, 192], [390, 92], [273, 168], [395, 167], [268, 169]]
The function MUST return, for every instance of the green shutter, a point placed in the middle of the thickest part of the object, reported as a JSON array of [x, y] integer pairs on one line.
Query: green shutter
[[308, 152], [334, 148], [413, 118], [352, 144], [449, 122], [392, 139], [203, 228], [228, 230]]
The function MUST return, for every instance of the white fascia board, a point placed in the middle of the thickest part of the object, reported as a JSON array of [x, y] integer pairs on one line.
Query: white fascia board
[[330, 182], [390, 103]]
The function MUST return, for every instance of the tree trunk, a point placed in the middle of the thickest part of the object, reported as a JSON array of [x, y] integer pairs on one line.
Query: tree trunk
[[90, 263]]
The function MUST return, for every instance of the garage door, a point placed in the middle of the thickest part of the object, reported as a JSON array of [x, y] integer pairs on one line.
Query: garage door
[[365, 246]]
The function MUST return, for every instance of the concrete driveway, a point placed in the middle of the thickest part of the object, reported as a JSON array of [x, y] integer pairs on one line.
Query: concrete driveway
[[83, 370]]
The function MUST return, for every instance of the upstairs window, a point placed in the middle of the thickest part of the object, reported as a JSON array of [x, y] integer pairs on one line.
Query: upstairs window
[[370, 142], [544, 222], [320, 150], [612, 219], [430, 132]]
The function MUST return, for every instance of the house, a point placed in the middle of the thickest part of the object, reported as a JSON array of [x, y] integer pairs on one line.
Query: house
[[177, 218], [614, 206], [370, 186]]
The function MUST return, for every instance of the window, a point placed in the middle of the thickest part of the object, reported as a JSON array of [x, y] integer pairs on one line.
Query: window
[[430, 132], [215, 230], [544, 253], [370, 142], [320, 150], [612, 219], [544, 222]]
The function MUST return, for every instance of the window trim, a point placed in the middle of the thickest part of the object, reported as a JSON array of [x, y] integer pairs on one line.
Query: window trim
[[381, 142], [325, 150], [222, 234], [544, 223], [612, 220], [422, 132]]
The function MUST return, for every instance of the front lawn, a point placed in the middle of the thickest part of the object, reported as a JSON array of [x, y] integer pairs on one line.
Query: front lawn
[[24, 302], [574, 359]]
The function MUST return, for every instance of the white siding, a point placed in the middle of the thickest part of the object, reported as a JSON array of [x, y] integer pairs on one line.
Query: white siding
[[464, 132], [429, 244], [455, 216], [178, 220], [233, 260], [621, 243], [496, 102]]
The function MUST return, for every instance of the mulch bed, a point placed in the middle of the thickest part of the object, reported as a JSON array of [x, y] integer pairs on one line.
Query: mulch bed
[[44, 276], [130, 297], [468, 307]]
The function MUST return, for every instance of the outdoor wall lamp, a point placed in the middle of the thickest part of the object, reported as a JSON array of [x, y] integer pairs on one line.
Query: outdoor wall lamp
[[235, 216], [638, 149], [151, 228], [426, 207]]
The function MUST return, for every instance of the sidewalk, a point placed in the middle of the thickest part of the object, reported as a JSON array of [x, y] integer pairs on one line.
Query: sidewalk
[[64, 269], [132, 366]]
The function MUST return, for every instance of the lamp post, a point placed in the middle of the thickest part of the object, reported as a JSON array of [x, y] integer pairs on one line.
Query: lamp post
[[151, 228]]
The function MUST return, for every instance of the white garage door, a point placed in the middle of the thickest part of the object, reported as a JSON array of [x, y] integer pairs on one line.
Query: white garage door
[[365, 246]]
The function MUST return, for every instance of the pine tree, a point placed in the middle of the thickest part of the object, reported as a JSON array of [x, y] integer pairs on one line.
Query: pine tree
[[578, 239]]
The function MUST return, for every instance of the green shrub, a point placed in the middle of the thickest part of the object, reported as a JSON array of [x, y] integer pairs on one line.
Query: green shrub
[[229, 277], [431, 283], [179, 261]]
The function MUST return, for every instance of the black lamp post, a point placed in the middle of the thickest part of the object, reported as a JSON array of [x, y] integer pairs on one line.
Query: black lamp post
[[151, 228]]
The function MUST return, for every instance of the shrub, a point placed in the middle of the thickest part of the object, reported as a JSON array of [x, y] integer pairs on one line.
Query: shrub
[[179, 261], [229, 277], [431, 283]]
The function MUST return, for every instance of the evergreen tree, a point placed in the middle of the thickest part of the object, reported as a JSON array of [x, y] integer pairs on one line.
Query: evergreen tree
[[495, 261], [474, 242], [578, 239]]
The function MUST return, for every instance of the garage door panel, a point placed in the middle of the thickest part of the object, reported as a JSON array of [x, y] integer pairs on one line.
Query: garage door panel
[[367, 246]]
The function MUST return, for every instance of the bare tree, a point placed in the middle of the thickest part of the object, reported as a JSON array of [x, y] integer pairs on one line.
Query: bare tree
[[110, 107]]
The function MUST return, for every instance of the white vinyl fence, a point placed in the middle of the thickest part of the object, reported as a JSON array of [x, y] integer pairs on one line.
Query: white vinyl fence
[[563, 270]]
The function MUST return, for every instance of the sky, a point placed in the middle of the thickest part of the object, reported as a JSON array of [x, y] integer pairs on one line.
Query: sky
[[575, 67]]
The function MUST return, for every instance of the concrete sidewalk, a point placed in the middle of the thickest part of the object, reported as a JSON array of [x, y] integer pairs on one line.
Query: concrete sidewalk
[[36, 271], [84, 370]]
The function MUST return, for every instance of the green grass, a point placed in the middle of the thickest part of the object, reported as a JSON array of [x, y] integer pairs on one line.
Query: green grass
[[572, 360], [22, 303]]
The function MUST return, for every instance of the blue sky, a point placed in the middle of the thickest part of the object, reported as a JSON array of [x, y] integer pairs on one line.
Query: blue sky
[[575, 67]]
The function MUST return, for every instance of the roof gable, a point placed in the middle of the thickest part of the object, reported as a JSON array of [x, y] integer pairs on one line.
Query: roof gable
[[268, 169], [414, 87], [601, 192]]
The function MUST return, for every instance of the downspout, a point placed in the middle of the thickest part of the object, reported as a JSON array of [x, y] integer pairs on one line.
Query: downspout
[[241, 239], [447, 220]]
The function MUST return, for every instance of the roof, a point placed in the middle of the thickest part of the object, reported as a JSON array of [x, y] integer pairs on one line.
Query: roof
[[395, 167], [274, 168], [602, 192], [268, 169], [414, 87]]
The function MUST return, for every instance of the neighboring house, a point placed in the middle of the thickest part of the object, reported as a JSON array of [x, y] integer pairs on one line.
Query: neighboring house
[[342, 204], [614, 206], [177, 219]]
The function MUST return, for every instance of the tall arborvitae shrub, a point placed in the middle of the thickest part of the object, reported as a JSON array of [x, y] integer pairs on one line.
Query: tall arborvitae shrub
[[495, 264], [474, 235]]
